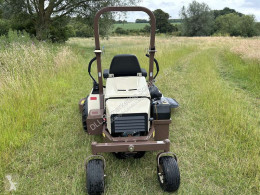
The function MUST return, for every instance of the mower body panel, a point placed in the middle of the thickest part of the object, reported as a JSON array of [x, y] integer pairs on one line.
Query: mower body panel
[[129, 86], [127, 104], [128, 109], [93, 102]]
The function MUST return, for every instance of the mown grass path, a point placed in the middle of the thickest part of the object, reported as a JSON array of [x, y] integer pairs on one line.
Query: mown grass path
[[215, 132]]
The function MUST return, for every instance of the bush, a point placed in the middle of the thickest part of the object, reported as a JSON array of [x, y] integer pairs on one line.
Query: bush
[[146, 29], [141, 21], [218, 34], [84, 31], [121, 31], [236, 25], [60, 31], [18, 36], [14, 36], [4, 27]]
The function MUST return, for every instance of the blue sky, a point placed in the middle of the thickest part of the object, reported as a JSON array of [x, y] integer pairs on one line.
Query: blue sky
[[173, 7]]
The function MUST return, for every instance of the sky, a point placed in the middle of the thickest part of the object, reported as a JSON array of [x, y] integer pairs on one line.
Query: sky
[[173, 7]]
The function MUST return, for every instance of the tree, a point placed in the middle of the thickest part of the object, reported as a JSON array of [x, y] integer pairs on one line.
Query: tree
[[248, 26], [43, 12], [257, 27], [162, 23], [198, 20], [141, 21], [225, 11], [120, 21], [228, 24], [236, 25], [175, 20]]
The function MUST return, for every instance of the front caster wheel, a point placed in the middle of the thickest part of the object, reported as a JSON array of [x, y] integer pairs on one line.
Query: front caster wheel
[[95, 177], [168, 174]]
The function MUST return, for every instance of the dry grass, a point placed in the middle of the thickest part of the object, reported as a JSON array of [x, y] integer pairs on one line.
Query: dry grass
[[27, 71], [22, 62], [247, 48]]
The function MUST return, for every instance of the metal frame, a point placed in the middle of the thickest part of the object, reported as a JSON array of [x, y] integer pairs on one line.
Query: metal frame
[[130, 146], [97, 42], [135, 144]]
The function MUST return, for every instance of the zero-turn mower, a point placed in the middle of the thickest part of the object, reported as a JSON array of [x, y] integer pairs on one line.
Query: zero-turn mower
[[130, 113]]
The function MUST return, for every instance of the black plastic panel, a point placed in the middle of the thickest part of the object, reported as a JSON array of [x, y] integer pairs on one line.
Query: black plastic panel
[[129, 123], [161, 111]]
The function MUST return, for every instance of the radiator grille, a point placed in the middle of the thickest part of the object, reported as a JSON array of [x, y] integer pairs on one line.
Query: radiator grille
[[130, 123]]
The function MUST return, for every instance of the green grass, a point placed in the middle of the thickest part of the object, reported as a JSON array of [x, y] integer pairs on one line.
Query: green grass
[[32, 81], [134, 26], [244, 73], [215, 132], [130, 26]]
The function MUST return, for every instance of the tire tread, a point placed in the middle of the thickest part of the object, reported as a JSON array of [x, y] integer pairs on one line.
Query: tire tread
[[95, 177], [171, 174]]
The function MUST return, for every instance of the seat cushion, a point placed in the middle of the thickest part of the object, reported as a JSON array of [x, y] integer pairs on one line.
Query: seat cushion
[[125, 65]]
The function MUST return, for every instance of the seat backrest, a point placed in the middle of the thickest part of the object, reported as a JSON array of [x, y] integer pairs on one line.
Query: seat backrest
[[125, 65]]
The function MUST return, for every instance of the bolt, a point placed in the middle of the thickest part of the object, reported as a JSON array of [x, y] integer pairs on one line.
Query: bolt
[[131, 148]]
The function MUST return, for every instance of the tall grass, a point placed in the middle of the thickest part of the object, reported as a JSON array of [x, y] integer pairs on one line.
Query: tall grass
[[28, 72], [244, 72]]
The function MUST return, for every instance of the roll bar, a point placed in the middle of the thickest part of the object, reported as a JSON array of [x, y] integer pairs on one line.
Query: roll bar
[[97, 43]]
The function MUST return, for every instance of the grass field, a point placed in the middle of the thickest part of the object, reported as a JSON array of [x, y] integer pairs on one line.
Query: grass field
[[133, 26], [215, 132], [130, 26]]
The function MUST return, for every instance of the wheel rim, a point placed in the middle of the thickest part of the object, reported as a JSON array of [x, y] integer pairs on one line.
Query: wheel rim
[[161, 178], [160, 174]]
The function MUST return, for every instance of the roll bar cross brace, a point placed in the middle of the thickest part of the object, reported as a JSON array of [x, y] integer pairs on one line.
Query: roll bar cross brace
[[98, 50]]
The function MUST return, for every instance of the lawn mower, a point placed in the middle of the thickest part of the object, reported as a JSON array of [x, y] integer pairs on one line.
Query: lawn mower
[[130, 113]]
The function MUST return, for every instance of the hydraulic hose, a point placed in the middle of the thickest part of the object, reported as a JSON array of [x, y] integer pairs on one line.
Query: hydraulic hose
[[157, 65]]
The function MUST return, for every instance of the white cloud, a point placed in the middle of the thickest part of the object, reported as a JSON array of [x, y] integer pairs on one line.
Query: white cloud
[[173, 7]]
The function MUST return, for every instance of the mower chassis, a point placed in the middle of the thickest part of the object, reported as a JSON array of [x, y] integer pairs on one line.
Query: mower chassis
[[130, 144]]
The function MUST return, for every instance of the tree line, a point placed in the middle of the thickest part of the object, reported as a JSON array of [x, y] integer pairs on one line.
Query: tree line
[[199, 20], [57, 20]]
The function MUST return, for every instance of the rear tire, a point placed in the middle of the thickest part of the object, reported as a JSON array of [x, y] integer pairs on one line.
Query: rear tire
[[95, 177], [85, 115], [168, 174]]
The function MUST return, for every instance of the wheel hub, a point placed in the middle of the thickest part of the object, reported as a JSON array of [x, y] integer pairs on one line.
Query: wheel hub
[[161, 177]]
